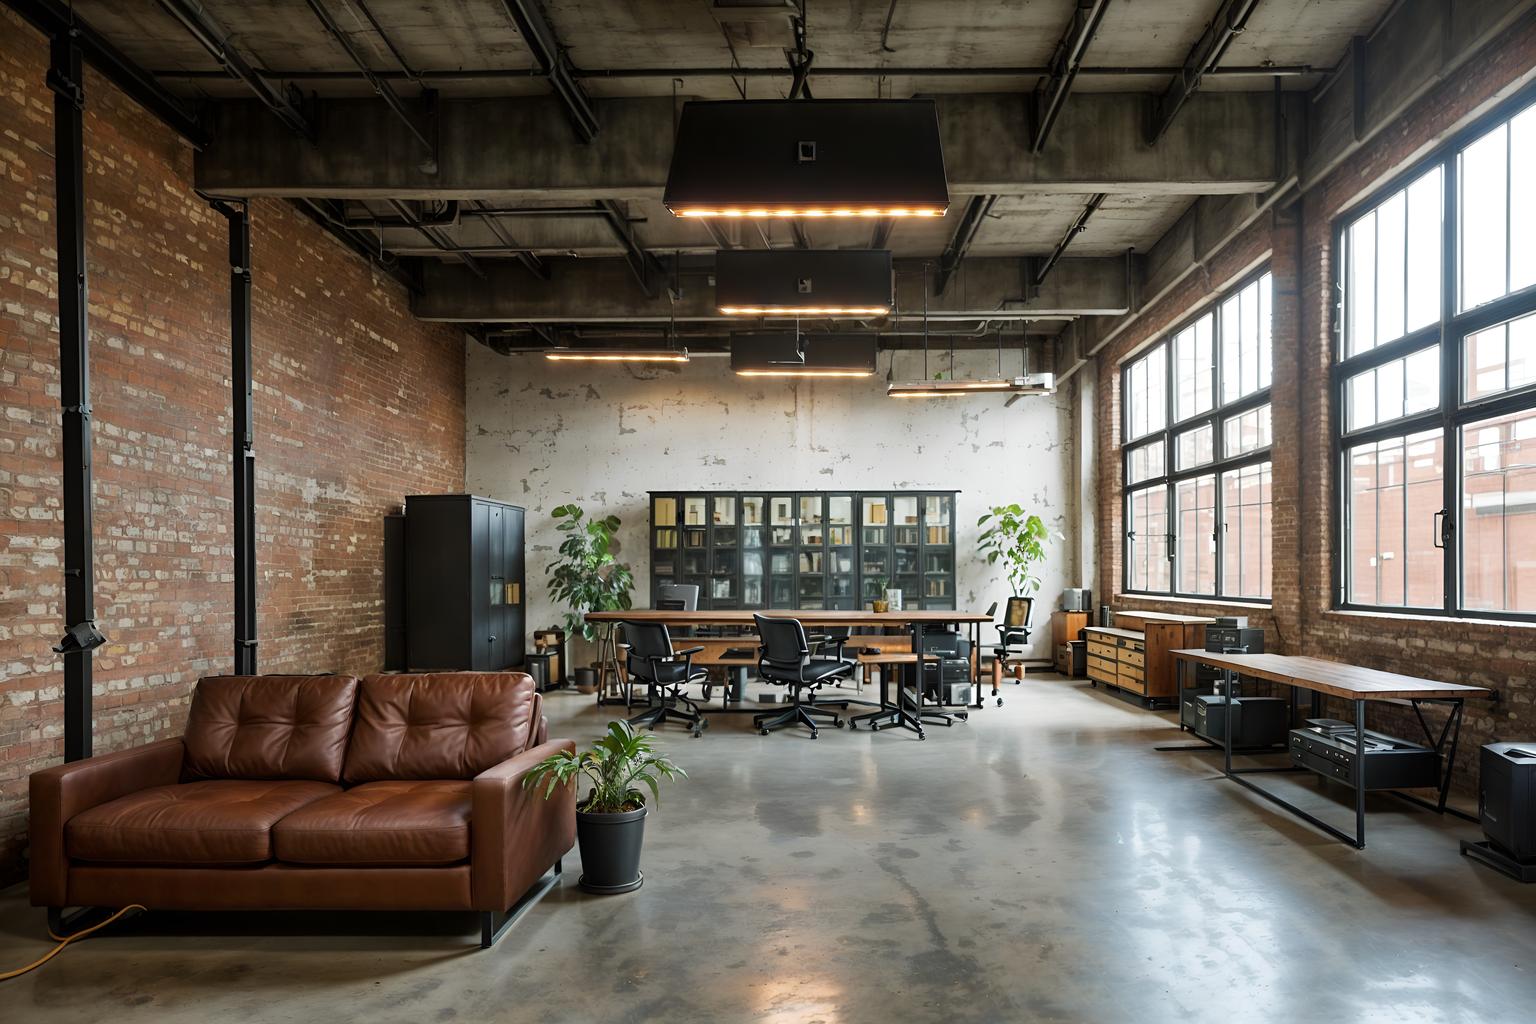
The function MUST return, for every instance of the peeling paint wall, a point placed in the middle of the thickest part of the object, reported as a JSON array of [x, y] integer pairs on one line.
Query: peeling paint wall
[[540, 434]]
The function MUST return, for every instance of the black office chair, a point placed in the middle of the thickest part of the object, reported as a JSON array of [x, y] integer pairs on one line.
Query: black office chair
[[785, 659], [1013, 634], [650, 660]]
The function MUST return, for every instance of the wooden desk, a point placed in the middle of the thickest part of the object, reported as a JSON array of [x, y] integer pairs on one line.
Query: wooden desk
[[1347, 682], [915, 621]]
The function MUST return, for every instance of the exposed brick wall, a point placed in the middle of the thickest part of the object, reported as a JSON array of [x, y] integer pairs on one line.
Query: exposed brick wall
[[1298, 243], [357, 404]]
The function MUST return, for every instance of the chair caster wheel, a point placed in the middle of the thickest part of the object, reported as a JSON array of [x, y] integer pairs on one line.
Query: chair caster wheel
[[815, 735], [839, 722], [762, 732], [999, 702]]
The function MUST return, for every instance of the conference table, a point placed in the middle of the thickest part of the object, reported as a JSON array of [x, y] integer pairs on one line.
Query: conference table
[[914, 622], [1352, 683]]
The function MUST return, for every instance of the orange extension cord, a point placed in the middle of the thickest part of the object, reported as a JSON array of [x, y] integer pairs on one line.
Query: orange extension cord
[[64, 940]]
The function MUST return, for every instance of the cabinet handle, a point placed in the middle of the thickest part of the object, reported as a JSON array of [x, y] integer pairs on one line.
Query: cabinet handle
[[491, 639]]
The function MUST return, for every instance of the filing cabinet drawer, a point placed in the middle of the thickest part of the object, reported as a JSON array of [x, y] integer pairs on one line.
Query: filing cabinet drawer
[[1101, 649], [1132, 672], [1137, 658], [1099, 668], [1129, 682]]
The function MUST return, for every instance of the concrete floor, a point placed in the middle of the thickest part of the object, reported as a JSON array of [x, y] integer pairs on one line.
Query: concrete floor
[[1041, 863]]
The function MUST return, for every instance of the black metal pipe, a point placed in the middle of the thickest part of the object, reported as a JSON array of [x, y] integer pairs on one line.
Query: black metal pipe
[[976, 211], [438, 242], [554, 64], [54, 19], [81, 636], [243, 434], [1066, 66], [526, 257], [212, 38], [448, 215], [380, 86], [1076, 229], [499, 74]]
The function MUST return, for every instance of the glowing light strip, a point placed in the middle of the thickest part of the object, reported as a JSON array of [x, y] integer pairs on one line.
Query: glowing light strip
[[805, 373], [811, 211], [617, 356], [951, 388], [804, 310]]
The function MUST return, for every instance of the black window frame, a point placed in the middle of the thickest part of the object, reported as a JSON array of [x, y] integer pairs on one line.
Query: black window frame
[[1217, 467], [1448, 334]]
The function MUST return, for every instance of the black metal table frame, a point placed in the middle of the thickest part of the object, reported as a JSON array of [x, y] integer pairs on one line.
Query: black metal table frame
[[608, 656], [1451, 730]]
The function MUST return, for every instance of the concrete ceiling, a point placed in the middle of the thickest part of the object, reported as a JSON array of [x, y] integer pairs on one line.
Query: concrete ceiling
[[470, 51]]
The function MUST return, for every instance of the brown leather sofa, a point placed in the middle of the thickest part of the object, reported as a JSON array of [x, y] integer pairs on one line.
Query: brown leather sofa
[[399, 792]]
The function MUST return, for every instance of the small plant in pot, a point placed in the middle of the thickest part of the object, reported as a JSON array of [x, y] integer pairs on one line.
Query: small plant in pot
[[1018, 541], [880, 604], [587, 577], [610, 822]]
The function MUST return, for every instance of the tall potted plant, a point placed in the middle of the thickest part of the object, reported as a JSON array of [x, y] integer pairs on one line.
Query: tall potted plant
[[586, 576], [1018, 541], [610, 822]]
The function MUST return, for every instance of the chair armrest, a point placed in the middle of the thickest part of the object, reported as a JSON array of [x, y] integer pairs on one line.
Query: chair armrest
[[688, 651], [63, 791], [515, 834]]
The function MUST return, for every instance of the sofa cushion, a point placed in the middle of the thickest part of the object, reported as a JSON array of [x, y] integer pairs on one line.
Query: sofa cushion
[[447, 725], [269, 727], [223, 821], [399, 823]]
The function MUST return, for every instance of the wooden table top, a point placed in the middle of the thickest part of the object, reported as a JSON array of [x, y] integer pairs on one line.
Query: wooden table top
[[1129, 634], [1351, 682], [811, 616], [1188, 620]]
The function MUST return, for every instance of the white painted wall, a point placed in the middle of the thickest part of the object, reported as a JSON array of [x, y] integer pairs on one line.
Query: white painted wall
[[540, 434]]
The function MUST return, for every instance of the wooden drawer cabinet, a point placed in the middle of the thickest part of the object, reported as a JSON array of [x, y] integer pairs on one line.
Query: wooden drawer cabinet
[[1144, 641], [1117, 657]]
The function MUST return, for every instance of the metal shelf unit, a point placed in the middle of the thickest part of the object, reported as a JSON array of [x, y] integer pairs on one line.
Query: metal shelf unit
[[805, 549]]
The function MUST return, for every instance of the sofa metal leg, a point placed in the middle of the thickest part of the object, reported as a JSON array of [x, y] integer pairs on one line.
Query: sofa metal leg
[[491, 929]]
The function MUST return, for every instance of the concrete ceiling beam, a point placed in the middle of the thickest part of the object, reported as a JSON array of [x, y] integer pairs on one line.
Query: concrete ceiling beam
[[522, 148], [603, 291]]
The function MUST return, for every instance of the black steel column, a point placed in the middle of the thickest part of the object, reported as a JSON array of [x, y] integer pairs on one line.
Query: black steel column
[[81, 635], [242, 433]]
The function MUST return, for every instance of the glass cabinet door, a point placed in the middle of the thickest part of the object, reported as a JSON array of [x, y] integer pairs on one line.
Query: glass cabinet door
[[781, 551], [696, 542], [663, 540], [842, 553], [753, 543], [906, 537], [874, 546], [724, 552], [938, 553]]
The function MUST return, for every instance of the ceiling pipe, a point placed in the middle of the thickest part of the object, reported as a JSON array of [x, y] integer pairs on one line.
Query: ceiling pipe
[[1077, 228], [447, 216], [1065, 66], [517, 74], [215, 40], [1230, 21]]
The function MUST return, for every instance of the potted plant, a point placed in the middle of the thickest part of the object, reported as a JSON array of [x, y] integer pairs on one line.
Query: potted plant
[[587, 577], [610, 822], [880, 604], [1018, 541]]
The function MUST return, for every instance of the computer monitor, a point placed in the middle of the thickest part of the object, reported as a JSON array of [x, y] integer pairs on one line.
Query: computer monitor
[[687, 593]]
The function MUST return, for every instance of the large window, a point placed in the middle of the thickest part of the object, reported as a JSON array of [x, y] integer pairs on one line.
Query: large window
[[1435, 384], [1197, 471]]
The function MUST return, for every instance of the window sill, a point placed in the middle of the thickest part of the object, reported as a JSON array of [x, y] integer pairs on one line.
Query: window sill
[[1407, 616], [1200, 602]]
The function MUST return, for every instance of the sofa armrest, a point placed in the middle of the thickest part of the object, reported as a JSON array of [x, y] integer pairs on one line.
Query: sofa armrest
[[516, 834], [63, 791]]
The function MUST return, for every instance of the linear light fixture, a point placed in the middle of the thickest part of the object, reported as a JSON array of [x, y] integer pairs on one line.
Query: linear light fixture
[[786, 354], [804, 282], [617, 355], [1029, 384], [808, 158]]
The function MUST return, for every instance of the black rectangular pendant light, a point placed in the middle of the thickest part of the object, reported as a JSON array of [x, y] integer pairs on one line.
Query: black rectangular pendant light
[[808, 158], [772, 354], [804, 282]]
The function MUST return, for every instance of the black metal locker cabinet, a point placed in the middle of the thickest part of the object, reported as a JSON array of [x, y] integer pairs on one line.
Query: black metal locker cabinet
[[464, 583]]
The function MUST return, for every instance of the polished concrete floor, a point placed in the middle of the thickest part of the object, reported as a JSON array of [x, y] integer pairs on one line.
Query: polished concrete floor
[[1041, 863]]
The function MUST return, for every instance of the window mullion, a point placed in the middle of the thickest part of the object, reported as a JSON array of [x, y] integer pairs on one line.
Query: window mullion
[[1450, 387]]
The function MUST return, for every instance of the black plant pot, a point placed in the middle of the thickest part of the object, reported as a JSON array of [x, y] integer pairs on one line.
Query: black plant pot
[[610, 851]]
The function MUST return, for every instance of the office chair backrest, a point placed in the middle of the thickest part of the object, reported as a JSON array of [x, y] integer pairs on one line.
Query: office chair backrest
[[1020, 609], [783, 640], [688, 593], [646, 640]]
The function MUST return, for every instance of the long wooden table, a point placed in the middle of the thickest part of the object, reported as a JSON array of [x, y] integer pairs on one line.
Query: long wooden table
[[1347, 682], [914, 621]]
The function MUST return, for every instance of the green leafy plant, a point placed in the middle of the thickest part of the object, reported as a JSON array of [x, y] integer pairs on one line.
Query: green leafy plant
[[1018, 541], [618, 765], [586, 576]]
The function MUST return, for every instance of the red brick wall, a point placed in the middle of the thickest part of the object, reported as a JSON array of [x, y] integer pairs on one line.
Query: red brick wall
[[1298, 243], [357, 404]]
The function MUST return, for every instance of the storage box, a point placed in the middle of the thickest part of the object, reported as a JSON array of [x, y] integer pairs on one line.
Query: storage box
[[1072, 659]]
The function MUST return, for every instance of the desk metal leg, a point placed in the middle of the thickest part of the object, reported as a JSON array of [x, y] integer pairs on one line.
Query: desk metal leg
[[1359, 774]]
